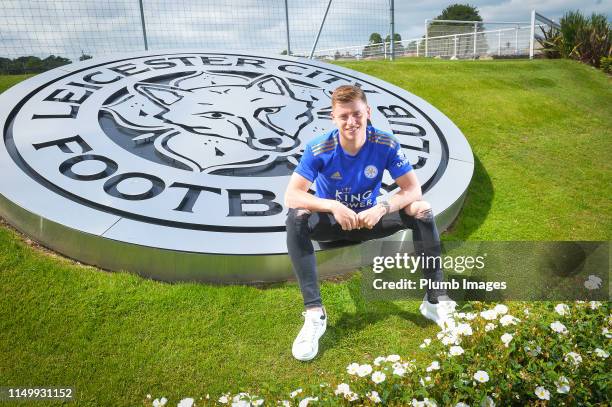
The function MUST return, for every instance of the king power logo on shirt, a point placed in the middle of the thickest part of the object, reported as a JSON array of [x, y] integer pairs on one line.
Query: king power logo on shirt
[[189, 151]]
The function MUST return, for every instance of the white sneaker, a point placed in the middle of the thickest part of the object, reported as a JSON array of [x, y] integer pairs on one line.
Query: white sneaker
[[306, 344], [441, 313]]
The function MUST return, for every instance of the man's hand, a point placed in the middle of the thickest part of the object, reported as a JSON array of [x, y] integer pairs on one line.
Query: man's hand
[[347, 218], [370, 217]]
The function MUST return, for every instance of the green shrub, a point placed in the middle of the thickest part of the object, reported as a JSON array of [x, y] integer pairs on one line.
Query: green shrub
[[605, 63], [585, 39]]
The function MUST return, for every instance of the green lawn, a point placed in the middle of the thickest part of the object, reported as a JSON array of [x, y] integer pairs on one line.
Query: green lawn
[[540, 132]]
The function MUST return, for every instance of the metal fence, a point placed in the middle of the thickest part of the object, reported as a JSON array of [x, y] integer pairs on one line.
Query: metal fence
[[70, 30]]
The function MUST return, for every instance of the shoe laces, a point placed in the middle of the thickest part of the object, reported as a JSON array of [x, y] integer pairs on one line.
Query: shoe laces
[[310, 328]]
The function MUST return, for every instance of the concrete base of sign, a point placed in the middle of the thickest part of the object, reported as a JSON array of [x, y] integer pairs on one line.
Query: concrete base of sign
[[171, 265]]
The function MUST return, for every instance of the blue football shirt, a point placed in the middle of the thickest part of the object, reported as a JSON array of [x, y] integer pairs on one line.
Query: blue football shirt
[[353, 180]]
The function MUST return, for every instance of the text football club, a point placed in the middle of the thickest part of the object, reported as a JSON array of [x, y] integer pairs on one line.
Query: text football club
[[174, 165]]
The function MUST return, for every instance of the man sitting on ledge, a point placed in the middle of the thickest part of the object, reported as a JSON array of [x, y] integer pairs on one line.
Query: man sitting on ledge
[[347, 164]]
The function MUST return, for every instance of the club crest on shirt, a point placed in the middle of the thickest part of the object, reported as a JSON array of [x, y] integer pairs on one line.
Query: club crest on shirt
[[370, 171]]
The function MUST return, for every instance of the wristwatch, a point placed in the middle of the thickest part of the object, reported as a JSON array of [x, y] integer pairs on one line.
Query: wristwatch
[[385, 204]]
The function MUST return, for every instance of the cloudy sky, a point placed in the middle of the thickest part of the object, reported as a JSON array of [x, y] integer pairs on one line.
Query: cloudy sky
[[99, 27]]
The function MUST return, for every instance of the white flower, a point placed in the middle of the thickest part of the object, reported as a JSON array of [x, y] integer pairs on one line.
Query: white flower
[[558, 327], [526, 312], [463, 329], [562, 309], [425, 403], [364, 370], [591, 285], [378, 377], [241, 400], [575, 358], [562, 385], [353, 368], [542, 393], [501, 309], [257, 402], [601, 353], [377, 361], [295, 393], [605, 332], [533, 352], [450, 339], [594, 304], [399, 371], [393, 358], [285, 403], [595, 278], [351, 396], [455, 351], [470, 316], [506, 338], [186, 402], [489, 315], [462, 404], [425, 343], [161, 402], [490, 326], [224, 399], [307, 400], [508, 320], [593, 282], [374, 397], [435, 365], [342, 388], [481, 376], [487, 402]]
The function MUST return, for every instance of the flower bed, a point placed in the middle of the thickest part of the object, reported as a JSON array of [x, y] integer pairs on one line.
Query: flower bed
[[534, 353]]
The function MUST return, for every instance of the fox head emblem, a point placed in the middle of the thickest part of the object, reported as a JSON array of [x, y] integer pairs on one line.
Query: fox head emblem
[[229, 123]]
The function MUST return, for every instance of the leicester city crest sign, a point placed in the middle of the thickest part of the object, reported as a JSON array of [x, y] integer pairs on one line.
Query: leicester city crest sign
[[174, 164]]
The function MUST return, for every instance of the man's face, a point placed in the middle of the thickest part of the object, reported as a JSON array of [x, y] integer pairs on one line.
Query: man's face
[[351, 119]]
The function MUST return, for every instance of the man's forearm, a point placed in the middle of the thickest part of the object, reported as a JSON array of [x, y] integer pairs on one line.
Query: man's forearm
[[304, 200], [404, 198]]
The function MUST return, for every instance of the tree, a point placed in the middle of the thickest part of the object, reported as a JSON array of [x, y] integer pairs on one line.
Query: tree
[[460, 12], [396, 39], [374, 46], [375, 38], [84, 56]]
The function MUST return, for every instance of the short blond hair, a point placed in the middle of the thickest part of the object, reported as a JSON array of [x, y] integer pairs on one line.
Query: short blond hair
[[347, 94]]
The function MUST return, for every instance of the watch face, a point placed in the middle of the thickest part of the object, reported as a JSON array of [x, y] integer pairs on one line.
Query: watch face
[[191, 152]]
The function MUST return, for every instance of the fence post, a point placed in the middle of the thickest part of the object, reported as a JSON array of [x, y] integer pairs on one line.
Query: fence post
[[531, 38], [144, 30], [392, 32], [516, 30], [314, 46], [499, 43], [287, 27], [475, 32], [426, 40]]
